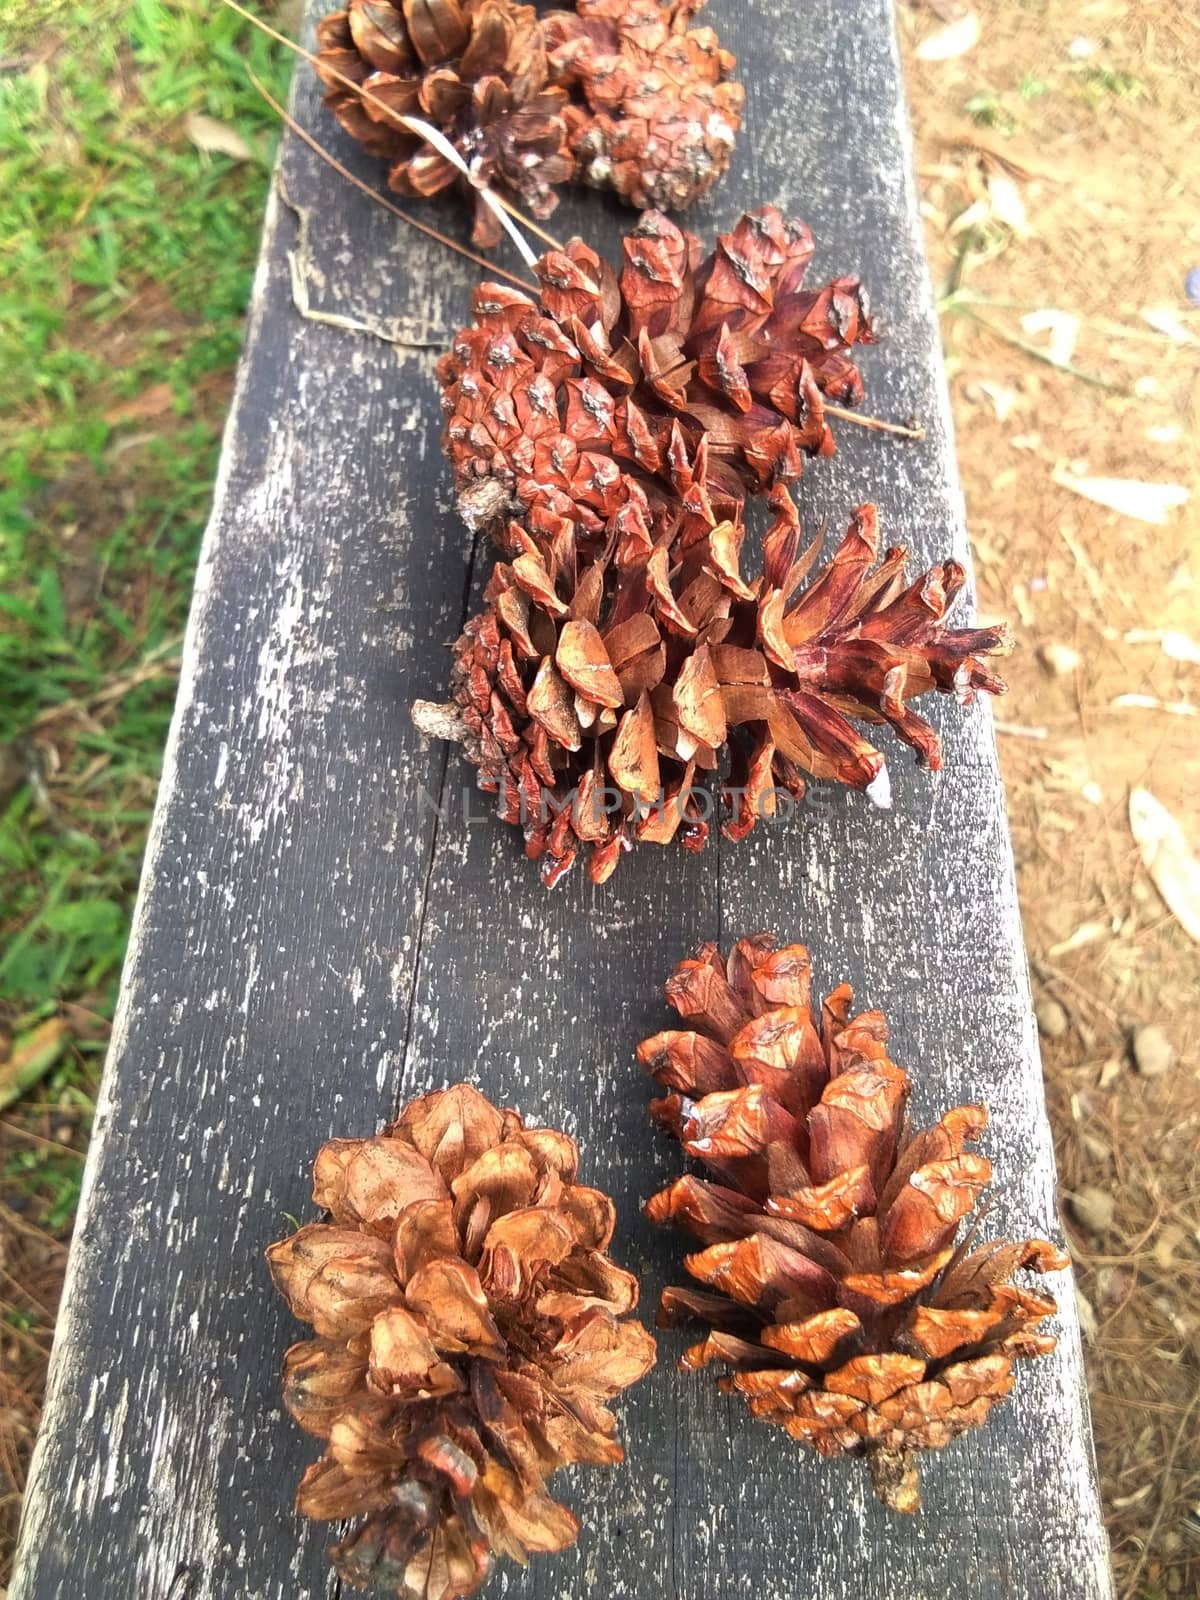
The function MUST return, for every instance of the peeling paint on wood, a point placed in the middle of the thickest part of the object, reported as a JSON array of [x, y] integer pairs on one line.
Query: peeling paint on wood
[[313, 943]]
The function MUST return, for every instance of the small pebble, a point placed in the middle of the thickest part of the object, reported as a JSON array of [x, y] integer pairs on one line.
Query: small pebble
[[1110, 1072], [1052, 1019], [1094, 1208], [1059, 660], [1088, 1325], [1191, 286], [1152, 1051]]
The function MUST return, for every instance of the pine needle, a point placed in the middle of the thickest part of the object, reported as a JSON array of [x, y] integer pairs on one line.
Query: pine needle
[[389, 115], [372, 194]]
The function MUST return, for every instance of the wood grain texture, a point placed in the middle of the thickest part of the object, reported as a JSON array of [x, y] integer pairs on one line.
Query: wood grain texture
[[313, 944]]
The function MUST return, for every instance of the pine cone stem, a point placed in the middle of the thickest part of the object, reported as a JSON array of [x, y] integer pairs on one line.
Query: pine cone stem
[[896, 1480], [874, 424], [440, 719]]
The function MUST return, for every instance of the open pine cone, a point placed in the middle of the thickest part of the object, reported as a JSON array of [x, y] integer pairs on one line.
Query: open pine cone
[[654, 114], [576, 405], [594, 697], [469, 1333], [477, 70], [833, 1287]]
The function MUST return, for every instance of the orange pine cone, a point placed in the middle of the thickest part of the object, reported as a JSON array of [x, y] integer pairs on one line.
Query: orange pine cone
[[576, 406], [469, 1333], [654, 112], [837, 1297], [596, 697], [475, 69]]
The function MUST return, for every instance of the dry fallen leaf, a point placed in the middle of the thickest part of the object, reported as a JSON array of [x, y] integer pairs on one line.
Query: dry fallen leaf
[[1151, 702], [977, 215], [31, 1058], [1168, 859], [155, 401], [1170, 324], [216, 138], [1086, 933], [1007, 205], [955, 39], [1063, 328], [1131, 497], [1002, 397]]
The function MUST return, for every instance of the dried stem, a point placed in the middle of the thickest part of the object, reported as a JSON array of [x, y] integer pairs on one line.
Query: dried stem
[[439, 720], [528, 222], [894, 1475], [1181, 1433], [875, 424], [373, 194]]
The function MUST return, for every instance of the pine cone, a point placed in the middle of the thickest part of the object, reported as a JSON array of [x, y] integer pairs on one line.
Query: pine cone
[[594, 697], [575, 405], [832, 1283], [468, 1334], [477, 70], [654, 114]]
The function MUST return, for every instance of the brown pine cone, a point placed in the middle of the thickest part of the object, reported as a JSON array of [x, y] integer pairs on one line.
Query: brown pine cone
[[595, 696], [654, 114], [478, 71], [833, 1286], [469, 1333], [577, 404]]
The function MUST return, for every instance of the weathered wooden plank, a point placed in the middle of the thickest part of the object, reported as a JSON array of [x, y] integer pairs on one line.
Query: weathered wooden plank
[[313, 945]]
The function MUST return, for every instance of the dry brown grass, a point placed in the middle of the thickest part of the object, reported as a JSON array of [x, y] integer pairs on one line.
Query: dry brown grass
[[31, 1267]]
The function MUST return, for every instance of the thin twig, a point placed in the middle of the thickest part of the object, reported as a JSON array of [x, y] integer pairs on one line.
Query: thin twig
[[1150, 702], [18, 1132], [875, 424], [299, 265], [365, 94], [117, 687], [373, 194], [1027, 347], [1164, 1484], [13, 1219]]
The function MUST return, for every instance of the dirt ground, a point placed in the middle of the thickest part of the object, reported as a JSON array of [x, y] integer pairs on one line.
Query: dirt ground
[[1060, 183]]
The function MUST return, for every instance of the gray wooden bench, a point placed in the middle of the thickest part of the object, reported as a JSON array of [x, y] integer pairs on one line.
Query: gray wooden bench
[[315, 942]]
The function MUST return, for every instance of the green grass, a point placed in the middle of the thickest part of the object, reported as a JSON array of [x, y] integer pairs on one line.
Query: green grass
[[126, 256]]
